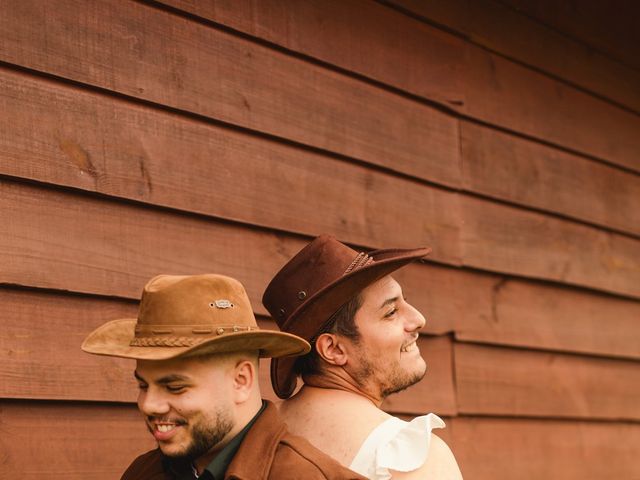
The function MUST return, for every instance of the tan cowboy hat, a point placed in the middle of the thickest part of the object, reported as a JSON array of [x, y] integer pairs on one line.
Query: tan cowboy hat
[[190, 315], [315, 283]]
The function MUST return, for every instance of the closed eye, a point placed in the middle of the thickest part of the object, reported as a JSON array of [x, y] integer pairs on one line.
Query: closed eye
[[175, 388], [391, 313]]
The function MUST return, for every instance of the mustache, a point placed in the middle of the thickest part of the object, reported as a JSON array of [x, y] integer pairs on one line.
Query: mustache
[[156, 419]]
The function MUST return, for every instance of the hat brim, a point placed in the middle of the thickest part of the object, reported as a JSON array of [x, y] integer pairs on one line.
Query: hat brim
[[114, 338], [328, 300]]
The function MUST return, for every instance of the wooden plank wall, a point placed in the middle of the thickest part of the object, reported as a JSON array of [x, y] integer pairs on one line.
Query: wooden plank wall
[[175, 136]]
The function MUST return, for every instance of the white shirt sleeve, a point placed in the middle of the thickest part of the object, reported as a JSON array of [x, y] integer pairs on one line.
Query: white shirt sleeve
[[395, 445]]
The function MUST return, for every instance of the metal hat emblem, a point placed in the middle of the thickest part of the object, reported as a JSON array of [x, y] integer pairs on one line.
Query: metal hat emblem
[[223, 303]]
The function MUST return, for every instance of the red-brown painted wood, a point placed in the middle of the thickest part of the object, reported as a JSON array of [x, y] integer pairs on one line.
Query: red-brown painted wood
[[160, 57], [512, 382], [609, 28], [507, 239], [485, 85], [512, 33], [145, 155], [504, 449]]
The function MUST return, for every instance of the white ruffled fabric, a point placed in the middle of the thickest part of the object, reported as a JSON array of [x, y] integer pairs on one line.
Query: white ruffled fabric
[[395, 445]]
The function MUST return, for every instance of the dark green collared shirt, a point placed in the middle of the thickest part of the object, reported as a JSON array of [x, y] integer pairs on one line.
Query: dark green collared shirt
[[218, 466]]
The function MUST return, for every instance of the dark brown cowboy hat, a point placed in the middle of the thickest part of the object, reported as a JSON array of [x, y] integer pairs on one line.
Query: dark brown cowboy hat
[[315, 283], [190, 315]]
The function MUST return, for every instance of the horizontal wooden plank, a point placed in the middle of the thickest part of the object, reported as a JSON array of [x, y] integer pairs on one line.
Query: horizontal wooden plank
[[512, 33], [507, 239], [428, 63], [509, 95], [528, 314], [360, 36], [160, 57], [610, 28], [41, 356], [514, 382], [521, 171], [68, 241], [504, 449], [69, 441], [358, 205], [133, 152], [116, 248], [72, 242]]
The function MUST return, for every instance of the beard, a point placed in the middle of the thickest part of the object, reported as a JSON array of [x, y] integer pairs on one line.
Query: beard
[[205, 434], [384, 378]]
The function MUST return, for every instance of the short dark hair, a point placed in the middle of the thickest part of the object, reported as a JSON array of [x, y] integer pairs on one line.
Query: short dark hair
[[341, 322]]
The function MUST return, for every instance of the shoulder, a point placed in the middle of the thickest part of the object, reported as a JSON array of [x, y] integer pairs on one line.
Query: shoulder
[[296, 458], [147, 466], [440, 464]]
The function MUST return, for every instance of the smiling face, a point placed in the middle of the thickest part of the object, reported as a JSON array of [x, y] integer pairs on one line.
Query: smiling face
[[187, 404], [385, 358]]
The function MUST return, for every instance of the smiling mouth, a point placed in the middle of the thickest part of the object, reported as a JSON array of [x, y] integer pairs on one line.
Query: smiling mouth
[[164, 428], [409, 347]]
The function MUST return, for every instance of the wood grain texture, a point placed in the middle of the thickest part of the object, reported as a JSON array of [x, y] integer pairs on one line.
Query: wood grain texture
[[512, 382], [528, 314], [493, 89], [514, 34], [611, 28], [109, 244], [360, 36], [528, 173], [142, 154], [163, 58], [507, 239], [70, 441], [68, 241], [504, 449], [509, 95]]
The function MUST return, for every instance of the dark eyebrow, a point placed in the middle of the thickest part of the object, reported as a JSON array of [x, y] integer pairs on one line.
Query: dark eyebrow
[[174, 377], [388, 301]]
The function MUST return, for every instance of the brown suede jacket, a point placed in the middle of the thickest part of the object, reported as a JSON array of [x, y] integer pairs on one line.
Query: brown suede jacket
[[268, 452]]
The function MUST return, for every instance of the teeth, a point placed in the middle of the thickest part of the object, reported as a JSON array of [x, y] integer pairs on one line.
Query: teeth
[[165, 428], [408, 348]]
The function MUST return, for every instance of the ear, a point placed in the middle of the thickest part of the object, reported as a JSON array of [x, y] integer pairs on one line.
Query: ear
[[244, 379], [332, 349]]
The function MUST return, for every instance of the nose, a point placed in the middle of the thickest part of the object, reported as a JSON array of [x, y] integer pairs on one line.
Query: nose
[[152, 403], [414, 319]]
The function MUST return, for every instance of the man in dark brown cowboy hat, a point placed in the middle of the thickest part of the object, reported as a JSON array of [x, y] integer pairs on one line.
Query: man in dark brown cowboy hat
[[196, 343], [363, 335]]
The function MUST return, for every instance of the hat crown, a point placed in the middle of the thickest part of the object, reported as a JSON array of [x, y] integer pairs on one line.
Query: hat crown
[[198, 300], [319, 264]]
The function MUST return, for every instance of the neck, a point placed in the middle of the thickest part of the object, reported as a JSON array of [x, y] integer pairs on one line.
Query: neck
[[339, 379], [243, 415]]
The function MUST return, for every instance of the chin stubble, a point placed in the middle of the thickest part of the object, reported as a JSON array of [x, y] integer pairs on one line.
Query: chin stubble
[[205, 434]]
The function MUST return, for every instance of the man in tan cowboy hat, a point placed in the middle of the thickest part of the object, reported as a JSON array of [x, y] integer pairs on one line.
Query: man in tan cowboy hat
[[363, 334], [196, 345]]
